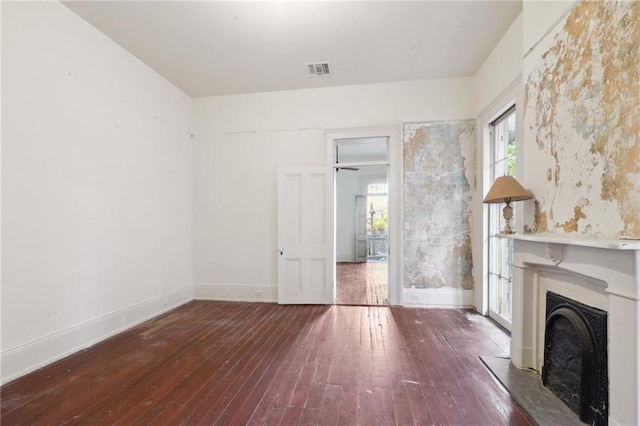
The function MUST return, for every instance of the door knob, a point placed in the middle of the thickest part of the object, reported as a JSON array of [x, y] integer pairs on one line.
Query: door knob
[[281, 251]]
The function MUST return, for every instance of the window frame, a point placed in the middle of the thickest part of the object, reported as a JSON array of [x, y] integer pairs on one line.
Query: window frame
[[499, 275]]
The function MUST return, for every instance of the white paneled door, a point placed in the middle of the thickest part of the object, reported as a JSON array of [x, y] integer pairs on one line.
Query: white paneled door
[[305, 235]]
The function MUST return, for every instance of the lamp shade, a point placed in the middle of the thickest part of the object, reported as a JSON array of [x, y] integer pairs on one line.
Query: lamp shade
[[506, 189]]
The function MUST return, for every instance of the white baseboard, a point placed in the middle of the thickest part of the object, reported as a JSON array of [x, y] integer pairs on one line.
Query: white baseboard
[[26, 358], [236, 292], [437, 297], [419, 297]]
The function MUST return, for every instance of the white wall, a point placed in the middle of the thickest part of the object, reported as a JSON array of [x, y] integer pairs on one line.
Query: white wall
[[242, 140], [347, 187], [96, 178], [540, 17], [501, 68], [1, 199]]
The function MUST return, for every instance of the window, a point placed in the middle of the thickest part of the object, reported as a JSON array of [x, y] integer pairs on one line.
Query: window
[[377, 220], [502, 162], [377, 188]]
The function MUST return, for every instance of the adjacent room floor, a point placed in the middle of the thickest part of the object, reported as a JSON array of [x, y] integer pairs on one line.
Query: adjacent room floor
[[244, 363], [362, 283]]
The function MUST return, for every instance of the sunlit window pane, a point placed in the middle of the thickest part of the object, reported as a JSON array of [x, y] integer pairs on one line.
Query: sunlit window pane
[[503, 162]]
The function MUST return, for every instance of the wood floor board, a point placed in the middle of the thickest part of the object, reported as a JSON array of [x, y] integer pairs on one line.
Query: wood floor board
[[291, 416], [216, 391], [164, 381], [278, 394], [240, 409], [178, 372], [362, 283], [401, 404], [348, 404], [97, 369], [240, 363]]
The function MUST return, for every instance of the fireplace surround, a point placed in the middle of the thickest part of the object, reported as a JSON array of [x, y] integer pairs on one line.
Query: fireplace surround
[[597, 272]]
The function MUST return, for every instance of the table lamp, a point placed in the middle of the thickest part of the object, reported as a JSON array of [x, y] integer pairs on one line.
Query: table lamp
[[507, 189]]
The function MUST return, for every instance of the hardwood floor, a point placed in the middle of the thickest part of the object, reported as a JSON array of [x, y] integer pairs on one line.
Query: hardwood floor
[[242, 363], [362, 283]]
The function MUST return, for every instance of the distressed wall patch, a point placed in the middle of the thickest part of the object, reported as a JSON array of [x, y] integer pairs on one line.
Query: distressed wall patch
[[582, 113], [439, 183]]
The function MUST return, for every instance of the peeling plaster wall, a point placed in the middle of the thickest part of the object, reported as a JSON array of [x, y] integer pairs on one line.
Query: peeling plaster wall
[[582, 122], [439, 182]]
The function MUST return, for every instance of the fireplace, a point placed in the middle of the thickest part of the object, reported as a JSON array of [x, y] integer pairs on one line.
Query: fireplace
[[599, 274], [575, 357]]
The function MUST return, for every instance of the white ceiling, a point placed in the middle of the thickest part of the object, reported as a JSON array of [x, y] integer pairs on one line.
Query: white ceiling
[[211, 48]]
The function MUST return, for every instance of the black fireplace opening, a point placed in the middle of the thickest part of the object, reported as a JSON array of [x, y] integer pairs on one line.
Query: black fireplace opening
[[575, 357]]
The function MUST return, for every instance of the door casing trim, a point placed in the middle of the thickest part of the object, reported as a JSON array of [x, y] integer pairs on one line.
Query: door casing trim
[[394, 134]]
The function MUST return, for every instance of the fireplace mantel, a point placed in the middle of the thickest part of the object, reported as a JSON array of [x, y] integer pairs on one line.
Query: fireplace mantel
[[604, 270], [582, 241]]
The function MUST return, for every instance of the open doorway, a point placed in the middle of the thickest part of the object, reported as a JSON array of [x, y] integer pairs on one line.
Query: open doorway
[[362, 221]]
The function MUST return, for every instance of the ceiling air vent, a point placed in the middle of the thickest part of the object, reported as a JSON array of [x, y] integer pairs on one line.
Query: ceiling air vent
[[319, 69]]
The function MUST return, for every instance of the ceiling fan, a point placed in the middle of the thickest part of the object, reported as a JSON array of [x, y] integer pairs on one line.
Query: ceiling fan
[[351, 169]]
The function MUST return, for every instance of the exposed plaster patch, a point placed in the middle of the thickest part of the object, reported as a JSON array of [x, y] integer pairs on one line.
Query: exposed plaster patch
[[439, 183], [571, 225], [582, 110], [539, 219]]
